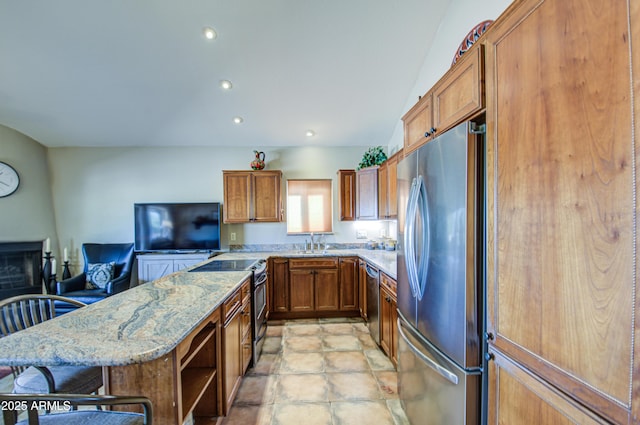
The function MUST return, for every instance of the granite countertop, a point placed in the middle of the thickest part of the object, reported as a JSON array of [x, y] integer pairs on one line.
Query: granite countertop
[[384, 260], [135, 326], [147, 321]]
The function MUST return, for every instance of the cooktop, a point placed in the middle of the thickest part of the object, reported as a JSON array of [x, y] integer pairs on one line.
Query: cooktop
[[226, 266]]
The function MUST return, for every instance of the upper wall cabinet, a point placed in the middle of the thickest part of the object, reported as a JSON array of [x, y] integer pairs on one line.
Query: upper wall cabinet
[[458, 95], [367, 193], [252, 196], [387, 187], [347, 194]]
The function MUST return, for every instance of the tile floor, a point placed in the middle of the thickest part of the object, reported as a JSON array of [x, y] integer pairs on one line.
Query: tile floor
[[319, 372]]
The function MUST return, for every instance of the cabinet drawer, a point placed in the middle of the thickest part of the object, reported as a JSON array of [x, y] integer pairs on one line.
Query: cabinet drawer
[[246, 319], [231, 305], [245, 291], [389, 283], [313, 263]]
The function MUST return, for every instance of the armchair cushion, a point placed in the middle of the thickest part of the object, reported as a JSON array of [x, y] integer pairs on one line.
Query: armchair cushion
[[99, 274]]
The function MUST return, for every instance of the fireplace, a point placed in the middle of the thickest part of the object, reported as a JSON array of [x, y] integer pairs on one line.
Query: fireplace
[[20, 270]]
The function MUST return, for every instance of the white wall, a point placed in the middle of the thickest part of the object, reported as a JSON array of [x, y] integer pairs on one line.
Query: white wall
[[28, 214], [95, 188], [461, 16]]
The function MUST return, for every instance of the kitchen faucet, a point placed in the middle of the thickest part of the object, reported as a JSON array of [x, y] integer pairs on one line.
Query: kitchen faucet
[[312, 243]]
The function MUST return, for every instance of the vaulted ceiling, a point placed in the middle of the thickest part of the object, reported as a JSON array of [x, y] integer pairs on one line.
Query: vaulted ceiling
[[141, 72]]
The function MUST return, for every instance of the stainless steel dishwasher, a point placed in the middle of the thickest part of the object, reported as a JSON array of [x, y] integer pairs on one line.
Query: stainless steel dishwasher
[[373, 300]]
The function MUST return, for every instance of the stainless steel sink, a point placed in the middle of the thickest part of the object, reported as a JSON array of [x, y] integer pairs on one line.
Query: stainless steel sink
[[313, 253]]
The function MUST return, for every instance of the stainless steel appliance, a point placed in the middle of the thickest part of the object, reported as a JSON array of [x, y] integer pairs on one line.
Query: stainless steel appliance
[[373, 298], [258, 309], [440, 290], [258, 295]]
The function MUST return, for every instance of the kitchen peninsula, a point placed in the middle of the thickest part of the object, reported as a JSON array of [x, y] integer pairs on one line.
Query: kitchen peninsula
[[164, 338]]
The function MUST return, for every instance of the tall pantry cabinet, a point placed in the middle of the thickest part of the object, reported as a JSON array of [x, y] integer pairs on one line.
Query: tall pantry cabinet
[[562, 91]]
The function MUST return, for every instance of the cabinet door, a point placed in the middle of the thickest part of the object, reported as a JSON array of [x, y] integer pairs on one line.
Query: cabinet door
[[349, 287], [561, 201], [362, 285], [347, 194], [266, 196], [393, 329], [301, 290], [232, 360], [383, 189], [392, 183], [417, 122], [367, 193], [326, 289], [179, 264], [237, 199], [385, 320], [279, 281], [523, 399], [150, 269], [459, 93]]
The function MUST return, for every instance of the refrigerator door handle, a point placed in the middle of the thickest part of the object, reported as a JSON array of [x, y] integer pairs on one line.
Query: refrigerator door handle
[[422, 208], [428, 361], [409, 233]]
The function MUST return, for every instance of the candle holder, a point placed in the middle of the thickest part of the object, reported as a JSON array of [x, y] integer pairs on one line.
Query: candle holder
[[66, 273], [46, 271], [52, 283]]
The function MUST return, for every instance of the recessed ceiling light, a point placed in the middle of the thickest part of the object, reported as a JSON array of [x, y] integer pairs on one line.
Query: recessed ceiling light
[[209, 33], [237, 120], [310, 133], [226, 84]]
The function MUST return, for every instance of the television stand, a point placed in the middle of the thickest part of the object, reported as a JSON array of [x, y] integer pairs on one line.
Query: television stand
[[152, 266]]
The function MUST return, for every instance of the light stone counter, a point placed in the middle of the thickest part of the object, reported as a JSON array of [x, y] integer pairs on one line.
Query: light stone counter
[[135, 326], [147, 321], [384, 260]]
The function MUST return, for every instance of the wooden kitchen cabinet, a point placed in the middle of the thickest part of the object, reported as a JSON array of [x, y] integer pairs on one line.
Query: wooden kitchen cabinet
[[388, 305], [301, 287], [367, 193], [458, 95], [182, 383], [362, 288], [562, 202], [317, 287], [313, 284], [252, 196], [347, 194], [236, 312], [418, 124], [327, 292], [388, 187], [278, 275], [349, 284]]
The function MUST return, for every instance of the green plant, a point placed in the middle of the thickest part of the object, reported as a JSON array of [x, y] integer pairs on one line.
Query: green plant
[[373, 156]]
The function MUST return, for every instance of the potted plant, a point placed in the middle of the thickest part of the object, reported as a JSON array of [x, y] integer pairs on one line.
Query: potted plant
[[373, 156]]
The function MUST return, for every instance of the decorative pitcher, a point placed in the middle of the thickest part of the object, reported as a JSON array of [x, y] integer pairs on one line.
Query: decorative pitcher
[[258, 162]]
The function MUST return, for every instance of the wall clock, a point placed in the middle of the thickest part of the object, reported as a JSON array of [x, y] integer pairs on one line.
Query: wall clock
[[9, 179]]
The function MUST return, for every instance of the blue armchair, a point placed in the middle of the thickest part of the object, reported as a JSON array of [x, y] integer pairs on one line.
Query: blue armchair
[[118, 258]]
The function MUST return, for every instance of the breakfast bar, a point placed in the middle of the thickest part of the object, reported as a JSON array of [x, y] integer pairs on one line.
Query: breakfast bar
[[161, 339], [178, 340]]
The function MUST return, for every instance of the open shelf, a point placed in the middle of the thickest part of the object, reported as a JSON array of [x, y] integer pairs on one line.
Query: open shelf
[[195, 383], [196, 352]]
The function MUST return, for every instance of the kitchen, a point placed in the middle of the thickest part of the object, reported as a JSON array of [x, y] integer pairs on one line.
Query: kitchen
[[617, 403]]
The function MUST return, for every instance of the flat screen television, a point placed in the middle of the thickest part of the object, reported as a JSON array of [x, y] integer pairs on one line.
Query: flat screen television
[[177, 226]]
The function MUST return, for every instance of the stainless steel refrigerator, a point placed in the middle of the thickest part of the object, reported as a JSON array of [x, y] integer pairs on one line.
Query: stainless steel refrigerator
[[440, 290]]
